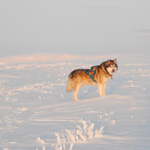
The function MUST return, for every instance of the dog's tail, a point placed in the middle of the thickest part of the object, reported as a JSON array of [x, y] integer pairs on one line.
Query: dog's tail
[[69, 87]]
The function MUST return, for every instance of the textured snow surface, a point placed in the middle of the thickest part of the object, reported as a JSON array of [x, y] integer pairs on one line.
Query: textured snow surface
[[36, 113]]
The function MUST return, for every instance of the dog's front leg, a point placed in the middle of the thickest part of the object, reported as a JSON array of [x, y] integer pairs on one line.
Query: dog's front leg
[[103, 88], [100, 89]]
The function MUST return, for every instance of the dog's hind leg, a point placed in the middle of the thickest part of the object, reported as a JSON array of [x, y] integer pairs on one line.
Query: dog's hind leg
[[76, 90]]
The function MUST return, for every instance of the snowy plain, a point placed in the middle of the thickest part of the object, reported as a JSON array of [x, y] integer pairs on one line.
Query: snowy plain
[[36, 113]]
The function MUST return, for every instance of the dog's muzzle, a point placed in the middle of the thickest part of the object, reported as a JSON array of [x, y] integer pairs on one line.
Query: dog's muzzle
[[113, 70]]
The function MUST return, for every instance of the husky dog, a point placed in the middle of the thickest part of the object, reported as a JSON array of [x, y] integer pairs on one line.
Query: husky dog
[[97, 75]]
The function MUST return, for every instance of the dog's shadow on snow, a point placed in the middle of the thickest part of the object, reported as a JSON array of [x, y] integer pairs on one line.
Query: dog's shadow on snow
[[92, 91], [88, 92]]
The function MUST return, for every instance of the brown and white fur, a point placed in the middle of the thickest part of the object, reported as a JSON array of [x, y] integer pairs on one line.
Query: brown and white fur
[[103, 73]]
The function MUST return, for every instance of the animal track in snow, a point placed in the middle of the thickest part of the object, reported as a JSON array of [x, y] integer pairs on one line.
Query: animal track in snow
[[107, 117]]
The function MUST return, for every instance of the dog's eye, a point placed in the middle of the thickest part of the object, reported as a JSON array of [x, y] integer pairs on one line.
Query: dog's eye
[[113, 66]]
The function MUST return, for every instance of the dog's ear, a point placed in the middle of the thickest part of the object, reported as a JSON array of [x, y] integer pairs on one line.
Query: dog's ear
[[115, 61], [108, 62]]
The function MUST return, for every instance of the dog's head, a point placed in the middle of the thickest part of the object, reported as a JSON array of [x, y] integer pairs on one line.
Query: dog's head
[[111, 66]]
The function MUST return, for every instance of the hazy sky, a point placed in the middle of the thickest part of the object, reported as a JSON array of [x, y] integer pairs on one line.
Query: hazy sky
[[74, 26]]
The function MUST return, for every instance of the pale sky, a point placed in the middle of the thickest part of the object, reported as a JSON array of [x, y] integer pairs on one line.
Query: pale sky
[[74, 26]]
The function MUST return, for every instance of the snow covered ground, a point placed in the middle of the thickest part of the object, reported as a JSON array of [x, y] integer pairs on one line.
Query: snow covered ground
[[36, 113]]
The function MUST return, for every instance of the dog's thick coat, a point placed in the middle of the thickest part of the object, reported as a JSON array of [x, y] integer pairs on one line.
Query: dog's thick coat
[[103, 73]]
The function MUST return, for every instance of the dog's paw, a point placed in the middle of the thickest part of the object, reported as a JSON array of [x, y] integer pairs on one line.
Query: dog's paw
[[103, 95], [77, 99]]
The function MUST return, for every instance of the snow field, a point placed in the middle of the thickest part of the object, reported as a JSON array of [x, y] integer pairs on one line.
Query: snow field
[[37, 113]]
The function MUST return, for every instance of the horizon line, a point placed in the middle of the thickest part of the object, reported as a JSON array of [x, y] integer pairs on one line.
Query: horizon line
[[49, 57]]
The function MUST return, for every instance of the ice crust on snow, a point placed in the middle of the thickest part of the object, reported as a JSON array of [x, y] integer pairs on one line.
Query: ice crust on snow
[[80, 134]]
